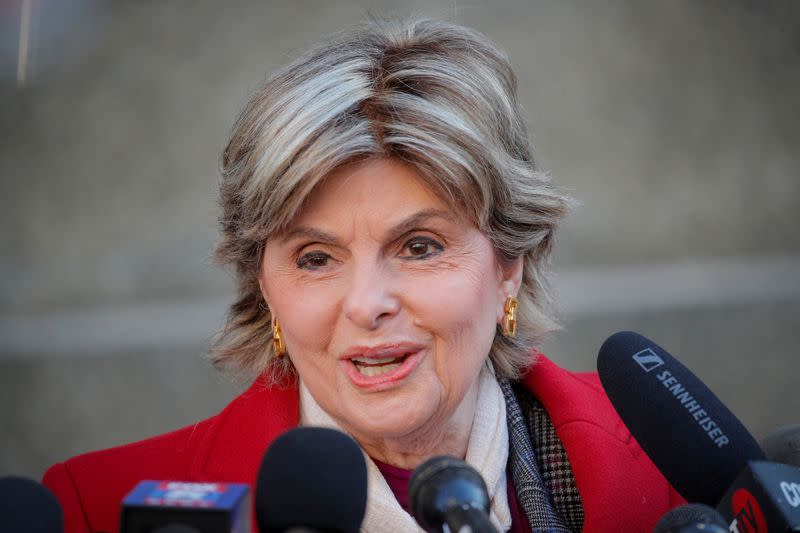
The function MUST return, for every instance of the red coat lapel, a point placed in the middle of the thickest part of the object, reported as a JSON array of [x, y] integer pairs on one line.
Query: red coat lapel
[[233, 447], [621, 490]]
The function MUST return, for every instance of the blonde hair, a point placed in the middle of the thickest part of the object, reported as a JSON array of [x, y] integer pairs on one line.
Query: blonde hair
[[439, 97]]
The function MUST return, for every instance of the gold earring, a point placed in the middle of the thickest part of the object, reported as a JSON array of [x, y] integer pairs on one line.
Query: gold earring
[[510, 318], [277, 339]]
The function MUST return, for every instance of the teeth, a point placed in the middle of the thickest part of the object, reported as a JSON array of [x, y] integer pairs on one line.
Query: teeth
[[368, 360], [376, 370]]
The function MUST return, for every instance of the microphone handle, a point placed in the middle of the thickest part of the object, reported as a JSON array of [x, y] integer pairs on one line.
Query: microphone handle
[[467, 519]]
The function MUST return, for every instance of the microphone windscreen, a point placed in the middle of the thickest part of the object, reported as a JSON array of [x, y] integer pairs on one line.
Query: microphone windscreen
[[692, 518], [313, 478], [28, 507], [691, 437], [783, 445]]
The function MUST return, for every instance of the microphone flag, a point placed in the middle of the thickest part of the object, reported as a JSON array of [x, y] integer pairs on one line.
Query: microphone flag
[[207, 507], [764, 497]]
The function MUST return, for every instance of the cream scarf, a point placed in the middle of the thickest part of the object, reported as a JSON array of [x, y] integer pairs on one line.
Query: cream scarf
[[487, 452]]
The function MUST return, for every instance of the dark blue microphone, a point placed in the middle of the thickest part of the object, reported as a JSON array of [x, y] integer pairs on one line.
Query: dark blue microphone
[[693, 439], [692, 518], [28, 507]]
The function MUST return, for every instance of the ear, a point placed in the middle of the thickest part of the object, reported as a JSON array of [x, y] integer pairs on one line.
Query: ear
[[262, 285], [510, 280]]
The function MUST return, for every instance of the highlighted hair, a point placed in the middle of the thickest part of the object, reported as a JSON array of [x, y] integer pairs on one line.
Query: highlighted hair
[[439, 97]]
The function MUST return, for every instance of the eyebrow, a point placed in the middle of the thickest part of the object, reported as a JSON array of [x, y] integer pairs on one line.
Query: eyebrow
[[404, 226], [417, 219]]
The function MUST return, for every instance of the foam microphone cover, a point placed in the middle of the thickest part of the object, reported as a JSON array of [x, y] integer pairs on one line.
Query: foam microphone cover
[[312, 478], [693, 439], [28, 507], [692, 518], [783, 445]]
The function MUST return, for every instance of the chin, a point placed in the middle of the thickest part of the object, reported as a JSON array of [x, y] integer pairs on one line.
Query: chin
[[385, 422]]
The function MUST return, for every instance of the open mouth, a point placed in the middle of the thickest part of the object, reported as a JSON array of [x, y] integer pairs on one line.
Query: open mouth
[[368, 366]]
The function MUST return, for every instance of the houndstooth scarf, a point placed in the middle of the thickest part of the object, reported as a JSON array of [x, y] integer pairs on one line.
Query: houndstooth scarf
[[539, 465]]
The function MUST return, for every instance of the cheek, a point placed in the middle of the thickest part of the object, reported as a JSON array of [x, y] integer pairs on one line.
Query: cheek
[[459, 305], [307, 315], [459, 308], [466, 287]]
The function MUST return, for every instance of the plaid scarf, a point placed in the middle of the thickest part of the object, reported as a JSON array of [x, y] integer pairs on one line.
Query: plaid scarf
[[540, 468]]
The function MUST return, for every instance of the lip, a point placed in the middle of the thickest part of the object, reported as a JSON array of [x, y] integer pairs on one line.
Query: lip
[[414, 353]]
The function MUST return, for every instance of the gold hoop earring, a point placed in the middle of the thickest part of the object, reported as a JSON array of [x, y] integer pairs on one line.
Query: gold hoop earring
[[278, 343], [510, 318]]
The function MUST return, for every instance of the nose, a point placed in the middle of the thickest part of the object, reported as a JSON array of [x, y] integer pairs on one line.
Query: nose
[[371, 298]]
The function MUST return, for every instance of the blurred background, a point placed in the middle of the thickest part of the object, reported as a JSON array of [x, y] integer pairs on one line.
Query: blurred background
[[675, 124]]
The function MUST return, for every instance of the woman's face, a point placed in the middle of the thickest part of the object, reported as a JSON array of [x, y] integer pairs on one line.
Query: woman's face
[[388, 301]]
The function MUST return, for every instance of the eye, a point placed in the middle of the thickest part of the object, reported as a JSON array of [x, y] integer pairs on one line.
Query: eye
[[313, 260], [421, 248]]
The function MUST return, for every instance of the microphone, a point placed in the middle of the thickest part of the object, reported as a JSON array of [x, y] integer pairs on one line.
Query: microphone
[[764, 497], [311, 480], [783, 445], [185, 507], [693, 439], [447, 495], [692, 518], [28, 507]]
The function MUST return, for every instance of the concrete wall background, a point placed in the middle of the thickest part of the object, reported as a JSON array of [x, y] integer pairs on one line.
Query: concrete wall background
[[674, 124]]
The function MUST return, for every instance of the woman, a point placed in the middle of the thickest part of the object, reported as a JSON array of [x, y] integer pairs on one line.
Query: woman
[[390, 234]]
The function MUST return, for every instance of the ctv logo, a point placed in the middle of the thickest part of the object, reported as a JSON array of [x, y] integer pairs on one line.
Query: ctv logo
[[648, 360], [747, 514], [792, 493]]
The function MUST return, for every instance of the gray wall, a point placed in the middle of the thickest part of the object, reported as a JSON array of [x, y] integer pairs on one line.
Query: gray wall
[[673, 123]]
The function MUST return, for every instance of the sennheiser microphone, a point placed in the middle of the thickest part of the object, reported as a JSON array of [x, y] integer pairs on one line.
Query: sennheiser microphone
[[691, 437], [694, 440], [692, 518], [311, 480], [783, 445], [447, 495], [28, 507]]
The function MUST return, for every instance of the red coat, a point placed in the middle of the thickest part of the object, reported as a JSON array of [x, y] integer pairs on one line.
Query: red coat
[[621, 489]]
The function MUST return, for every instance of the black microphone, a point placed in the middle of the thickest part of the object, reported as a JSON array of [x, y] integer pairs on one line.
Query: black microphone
[[28, 507], [692, 518], [445, 491], [311, 479], [783, 445], [693, 439]]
